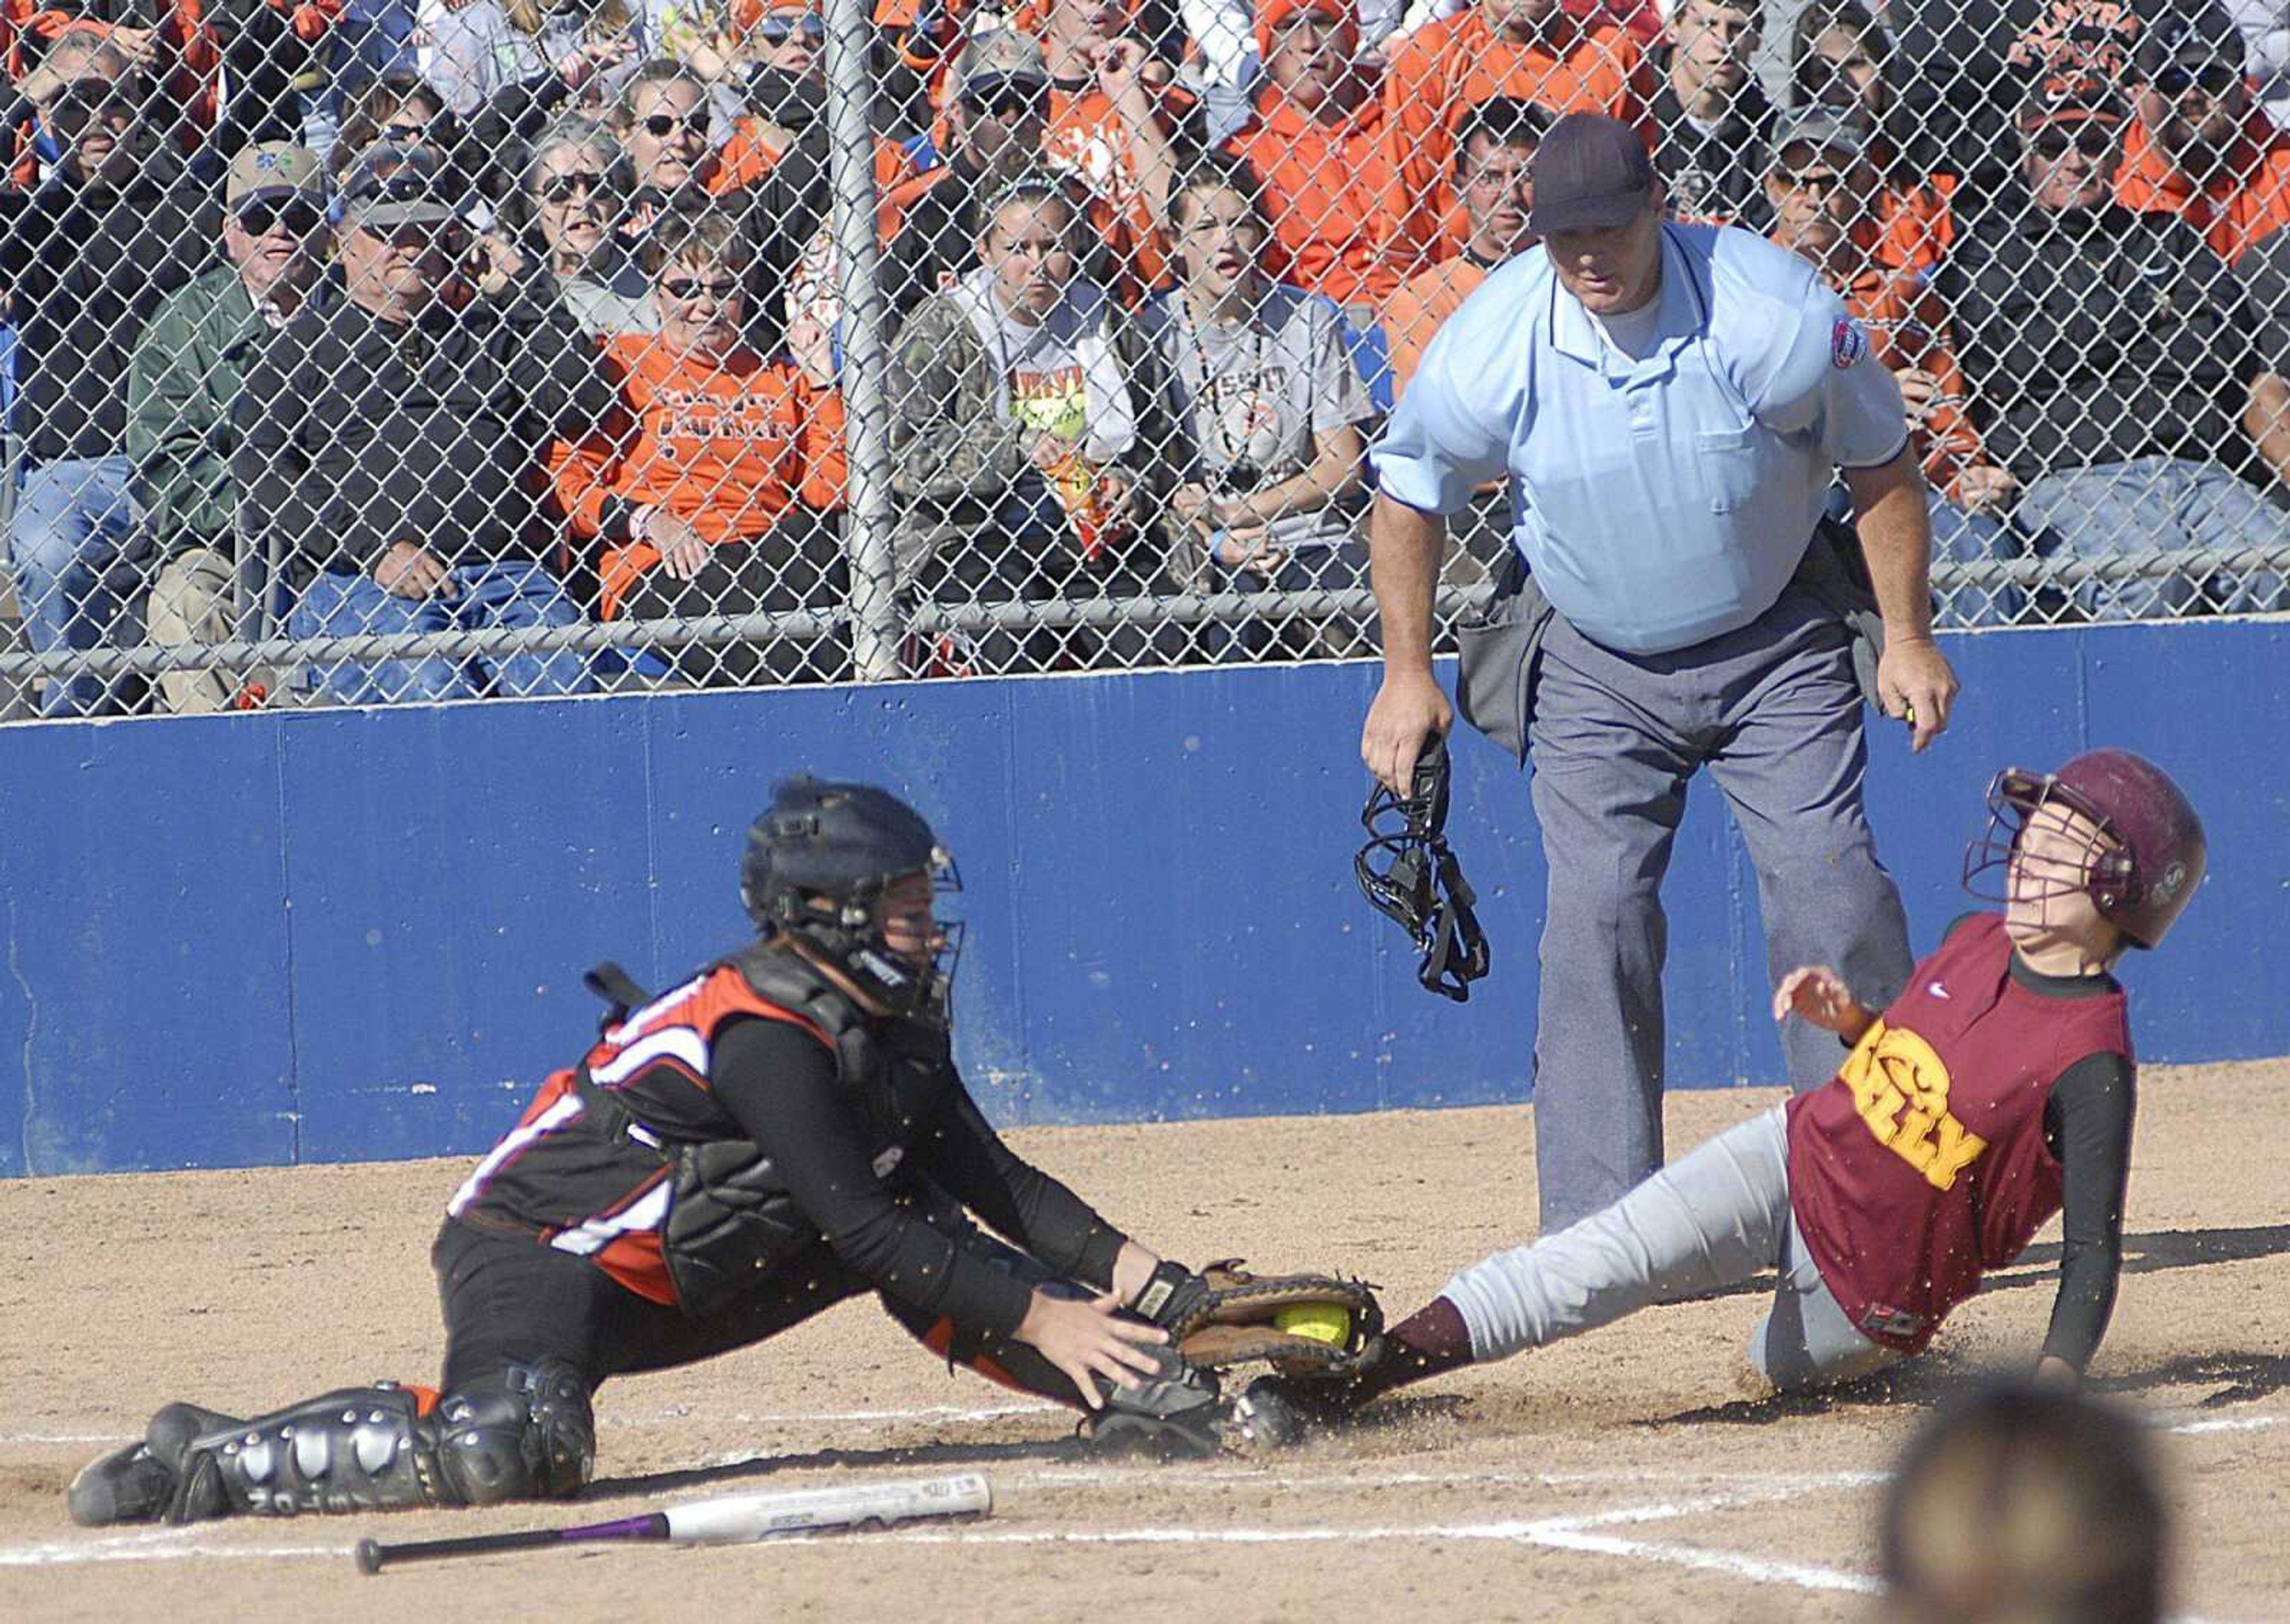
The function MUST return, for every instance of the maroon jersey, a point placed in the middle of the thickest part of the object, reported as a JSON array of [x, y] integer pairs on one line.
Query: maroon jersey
[[1923, 1164]]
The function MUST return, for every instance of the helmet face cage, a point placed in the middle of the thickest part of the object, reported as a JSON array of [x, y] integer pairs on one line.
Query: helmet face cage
[[2105, 873], [848, 930]]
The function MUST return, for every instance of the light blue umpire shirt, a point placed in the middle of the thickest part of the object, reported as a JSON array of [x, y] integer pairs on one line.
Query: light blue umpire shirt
[[1659, 502]]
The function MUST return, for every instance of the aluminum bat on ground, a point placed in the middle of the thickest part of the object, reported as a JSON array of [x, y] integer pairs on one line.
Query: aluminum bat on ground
[[729, 1519]]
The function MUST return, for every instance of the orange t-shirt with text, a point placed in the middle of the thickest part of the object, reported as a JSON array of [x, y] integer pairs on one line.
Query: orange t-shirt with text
[[728, 443]]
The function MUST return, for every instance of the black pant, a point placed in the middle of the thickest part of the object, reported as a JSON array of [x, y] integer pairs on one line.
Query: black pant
[[511, 1301], [797, 564]]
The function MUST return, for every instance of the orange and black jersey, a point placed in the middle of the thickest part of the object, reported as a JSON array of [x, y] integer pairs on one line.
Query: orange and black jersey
[[714, 1061]]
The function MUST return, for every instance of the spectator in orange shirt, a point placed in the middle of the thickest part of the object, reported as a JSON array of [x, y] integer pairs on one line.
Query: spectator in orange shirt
[[1840, 58], [1495, 178], [1529, 49], [1317, 141], [1492, 176], [1826, 195], [2203, 148], [706, 488], [1114, 118]]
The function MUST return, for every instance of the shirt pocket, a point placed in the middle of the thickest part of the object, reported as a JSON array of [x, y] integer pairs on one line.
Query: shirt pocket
[[1727, 459]]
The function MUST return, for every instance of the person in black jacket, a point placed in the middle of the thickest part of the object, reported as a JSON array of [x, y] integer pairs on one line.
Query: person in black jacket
[[85, 256], [2116, 367], [1710, 119], [395, 443], [782, 1131], [996, 121]]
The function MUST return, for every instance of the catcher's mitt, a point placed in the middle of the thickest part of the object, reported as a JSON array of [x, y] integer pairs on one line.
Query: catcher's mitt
[[1223, 1316]]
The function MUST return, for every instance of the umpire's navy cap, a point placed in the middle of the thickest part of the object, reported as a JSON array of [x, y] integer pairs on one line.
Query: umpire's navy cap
[[1591, 173]]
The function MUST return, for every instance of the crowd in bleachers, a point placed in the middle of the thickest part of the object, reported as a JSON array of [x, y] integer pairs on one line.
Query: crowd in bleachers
[[334, 316]]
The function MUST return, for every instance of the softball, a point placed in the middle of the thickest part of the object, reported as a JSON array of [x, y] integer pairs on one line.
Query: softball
[[1321, 1322]]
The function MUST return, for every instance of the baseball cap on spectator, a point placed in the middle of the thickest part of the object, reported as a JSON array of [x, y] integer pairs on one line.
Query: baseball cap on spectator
[[270, 171], [1824, 128], [391, 185], [1591, 173], [999, 59], [2181, 49], [2072, 102]]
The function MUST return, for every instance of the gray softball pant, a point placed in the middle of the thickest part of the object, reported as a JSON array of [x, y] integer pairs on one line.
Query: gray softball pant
[[1715, 1218]]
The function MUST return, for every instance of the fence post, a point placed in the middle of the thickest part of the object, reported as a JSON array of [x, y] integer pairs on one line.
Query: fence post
[[851, 167]]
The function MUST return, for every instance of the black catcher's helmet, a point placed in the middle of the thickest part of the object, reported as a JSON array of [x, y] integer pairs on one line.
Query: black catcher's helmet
[[816, 865], [2150, 856]]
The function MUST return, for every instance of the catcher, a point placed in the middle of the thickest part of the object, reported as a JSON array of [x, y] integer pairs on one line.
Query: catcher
[[1996, 1092], [782, 1131]]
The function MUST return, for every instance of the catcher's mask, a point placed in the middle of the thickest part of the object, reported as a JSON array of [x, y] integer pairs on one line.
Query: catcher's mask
[[1407, 872], [818, 864]]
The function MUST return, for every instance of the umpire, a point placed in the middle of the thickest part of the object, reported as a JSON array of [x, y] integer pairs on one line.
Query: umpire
[[1670, 403]]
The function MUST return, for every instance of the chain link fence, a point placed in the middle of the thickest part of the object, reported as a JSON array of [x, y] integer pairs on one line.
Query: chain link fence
[[364, 351]]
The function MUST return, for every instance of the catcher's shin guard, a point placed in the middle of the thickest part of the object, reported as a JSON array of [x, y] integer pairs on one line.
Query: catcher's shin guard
[[526, 1433]]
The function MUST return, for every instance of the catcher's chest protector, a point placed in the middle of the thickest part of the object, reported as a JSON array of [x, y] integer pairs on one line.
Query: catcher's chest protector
[[730, 1214]]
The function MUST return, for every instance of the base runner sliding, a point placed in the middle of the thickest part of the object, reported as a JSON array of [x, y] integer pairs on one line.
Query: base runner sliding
[[1994, 1093]]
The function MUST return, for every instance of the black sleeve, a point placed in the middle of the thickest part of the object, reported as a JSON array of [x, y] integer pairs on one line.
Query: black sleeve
[[271, 463], [779, 1085], [552, 366], [1044, 1217], [2264, 269], [2088, 1123]]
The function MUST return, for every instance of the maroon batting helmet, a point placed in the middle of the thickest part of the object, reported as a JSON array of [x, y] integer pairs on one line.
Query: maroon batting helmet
[[2150, 853]]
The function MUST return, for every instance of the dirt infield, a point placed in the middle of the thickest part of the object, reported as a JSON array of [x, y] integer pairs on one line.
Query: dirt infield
[[1624, 1476]]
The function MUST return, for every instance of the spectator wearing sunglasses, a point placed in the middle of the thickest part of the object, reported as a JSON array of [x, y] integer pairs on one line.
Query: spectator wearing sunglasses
[[2119, 372], [666, 122], [397, 440], [1825, 200], [774, 62], [706, 489], [2203, 148], [185, 372], [407, 111], [565, 208], [995, 122], [86, 256]]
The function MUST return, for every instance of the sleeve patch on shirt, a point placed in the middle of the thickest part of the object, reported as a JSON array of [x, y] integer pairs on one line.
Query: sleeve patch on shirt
[[1846, 343]]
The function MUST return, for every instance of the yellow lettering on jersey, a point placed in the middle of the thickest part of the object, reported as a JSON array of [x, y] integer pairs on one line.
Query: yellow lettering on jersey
[[1900, 1089]]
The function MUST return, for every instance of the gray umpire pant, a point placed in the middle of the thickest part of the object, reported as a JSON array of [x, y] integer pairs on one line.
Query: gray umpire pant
[[1718, 1217], [1774, 712]]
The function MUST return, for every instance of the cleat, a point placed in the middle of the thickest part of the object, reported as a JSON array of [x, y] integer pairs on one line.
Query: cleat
[[145, 1481], [127, 1486], [1274, 1413]]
